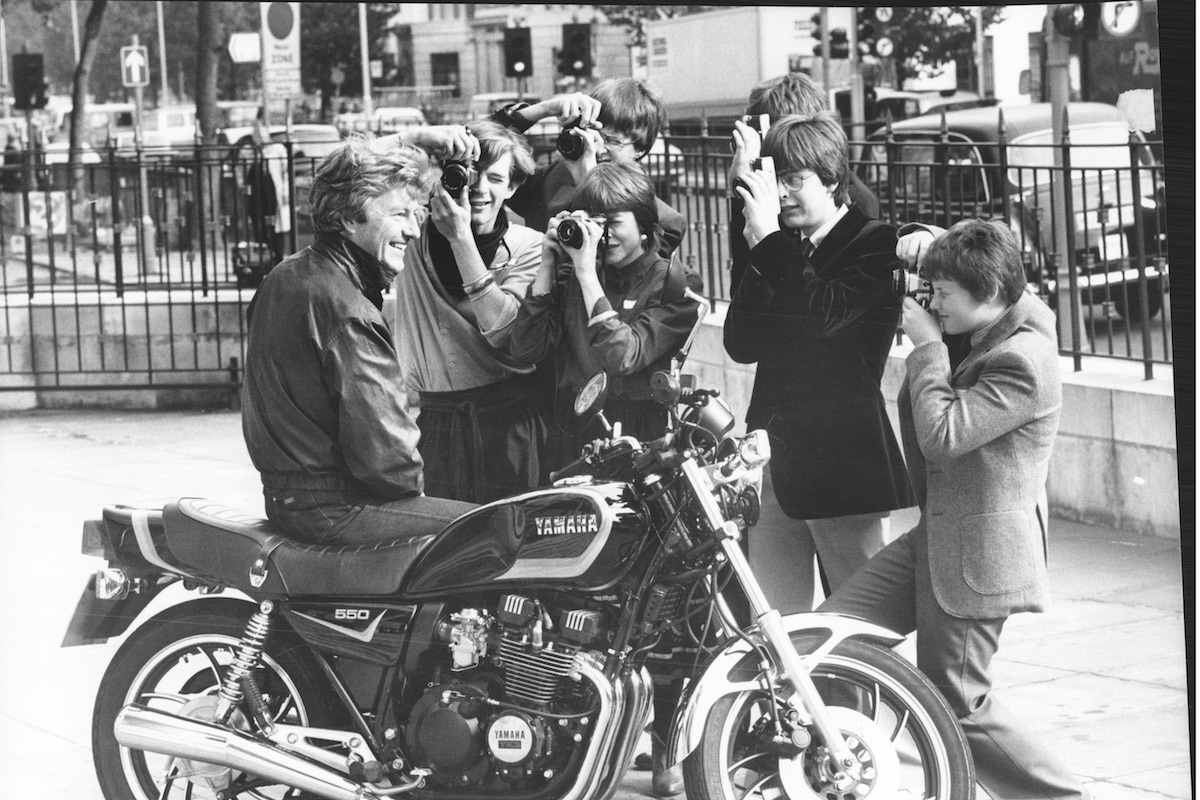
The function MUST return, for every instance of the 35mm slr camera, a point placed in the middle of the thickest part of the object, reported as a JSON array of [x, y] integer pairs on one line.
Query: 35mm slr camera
[[457, 175], [901, 280], [571, 146], [570, 232]]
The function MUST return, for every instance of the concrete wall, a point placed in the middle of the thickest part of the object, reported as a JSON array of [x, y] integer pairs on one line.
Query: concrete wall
[[1115, 461], [182, 339]]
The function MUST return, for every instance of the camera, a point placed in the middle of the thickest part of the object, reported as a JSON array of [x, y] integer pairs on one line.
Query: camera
[[570, 232], [765, 165], [759, 122], [457, 175], [571, 146], [900, 283]]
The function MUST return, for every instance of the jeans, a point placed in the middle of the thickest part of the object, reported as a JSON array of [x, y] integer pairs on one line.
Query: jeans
[[337, 517]]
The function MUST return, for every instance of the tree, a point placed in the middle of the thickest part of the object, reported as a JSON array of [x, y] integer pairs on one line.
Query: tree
[[329, 38], [928, 37], [83, 74], [634, 17]]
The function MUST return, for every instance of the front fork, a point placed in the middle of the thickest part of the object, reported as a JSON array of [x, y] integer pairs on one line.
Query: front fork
[[779, 644]]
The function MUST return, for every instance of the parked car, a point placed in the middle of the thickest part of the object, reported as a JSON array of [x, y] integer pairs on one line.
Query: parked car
[[925, 178], [392, 119]]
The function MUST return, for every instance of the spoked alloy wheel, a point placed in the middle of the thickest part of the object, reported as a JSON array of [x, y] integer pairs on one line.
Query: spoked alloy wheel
[[895, 722], [176, 665]]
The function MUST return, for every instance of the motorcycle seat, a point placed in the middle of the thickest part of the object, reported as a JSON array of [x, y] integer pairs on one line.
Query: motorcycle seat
[[252, 554]]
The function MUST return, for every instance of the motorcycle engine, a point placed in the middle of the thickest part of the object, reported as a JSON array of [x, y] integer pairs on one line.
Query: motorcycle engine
[[488, 720]]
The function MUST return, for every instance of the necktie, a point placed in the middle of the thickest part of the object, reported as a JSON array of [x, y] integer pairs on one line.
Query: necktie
[[807, 249]]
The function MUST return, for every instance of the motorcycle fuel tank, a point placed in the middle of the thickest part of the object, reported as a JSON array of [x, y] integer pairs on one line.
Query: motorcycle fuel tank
[[583, 536]]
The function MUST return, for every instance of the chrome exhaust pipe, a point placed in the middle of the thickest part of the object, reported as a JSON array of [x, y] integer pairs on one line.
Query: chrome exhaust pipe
[[143, 728]]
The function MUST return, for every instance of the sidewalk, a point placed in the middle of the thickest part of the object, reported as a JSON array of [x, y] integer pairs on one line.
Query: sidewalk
[[1101, 676]]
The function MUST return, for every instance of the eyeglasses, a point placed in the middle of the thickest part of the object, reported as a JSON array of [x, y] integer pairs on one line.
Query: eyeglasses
[[794, 181], [612, 140]]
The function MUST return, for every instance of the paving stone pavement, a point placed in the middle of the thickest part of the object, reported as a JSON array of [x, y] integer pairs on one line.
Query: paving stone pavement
[[1101, 676]]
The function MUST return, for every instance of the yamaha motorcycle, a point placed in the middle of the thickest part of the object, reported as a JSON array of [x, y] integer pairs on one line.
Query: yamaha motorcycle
[[503, 658]]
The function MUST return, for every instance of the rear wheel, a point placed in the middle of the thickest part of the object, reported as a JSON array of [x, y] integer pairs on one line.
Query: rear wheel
[[175, 663], [896, 723]]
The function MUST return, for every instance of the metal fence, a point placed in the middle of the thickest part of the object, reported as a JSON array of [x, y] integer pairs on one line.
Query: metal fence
[[136, 271]]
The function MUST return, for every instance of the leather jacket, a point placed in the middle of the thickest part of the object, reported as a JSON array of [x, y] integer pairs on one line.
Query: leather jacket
[[323, 401]]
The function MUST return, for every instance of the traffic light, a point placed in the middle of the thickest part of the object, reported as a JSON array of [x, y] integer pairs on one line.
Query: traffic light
[[818, 48], [866, 31], [28, 82], [839, 43], [575, 58], [874, 31], [1077, 19], [518, 55]]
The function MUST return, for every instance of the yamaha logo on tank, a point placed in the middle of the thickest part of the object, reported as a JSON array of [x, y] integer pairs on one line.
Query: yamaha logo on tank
[[559, 524]]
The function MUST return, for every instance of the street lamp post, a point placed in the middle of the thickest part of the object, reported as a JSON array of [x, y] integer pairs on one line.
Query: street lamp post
[[368, 104]]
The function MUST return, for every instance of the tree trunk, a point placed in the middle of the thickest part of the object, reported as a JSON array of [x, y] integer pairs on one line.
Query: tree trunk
[[83, 73], [212, 39]]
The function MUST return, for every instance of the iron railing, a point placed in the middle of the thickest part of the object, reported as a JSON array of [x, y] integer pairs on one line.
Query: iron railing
[[136, 270]]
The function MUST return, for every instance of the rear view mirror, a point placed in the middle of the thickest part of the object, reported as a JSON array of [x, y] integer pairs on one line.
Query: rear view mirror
[[592, 396]]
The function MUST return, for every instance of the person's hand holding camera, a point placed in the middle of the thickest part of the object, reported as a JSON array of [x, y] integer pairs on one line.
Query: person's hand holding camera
[[920, 325], [583, 256], [451, 214], [912, 247], [450, 142], [577, 108], [747, 143], [760, 193]]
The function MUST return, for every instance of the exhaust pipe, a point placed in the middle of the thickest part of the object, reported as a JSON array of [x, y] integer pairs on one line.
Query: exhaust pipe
[[143, 728]]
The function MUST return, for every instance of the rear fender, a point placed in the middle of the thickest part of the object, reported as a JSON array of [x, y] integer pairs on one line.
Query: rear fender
[[95, 621], [735, 668]]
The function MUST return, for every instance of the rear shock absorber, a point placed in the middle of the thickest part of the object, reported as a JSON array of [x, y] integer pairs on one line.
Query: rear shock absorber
[[249, 648]]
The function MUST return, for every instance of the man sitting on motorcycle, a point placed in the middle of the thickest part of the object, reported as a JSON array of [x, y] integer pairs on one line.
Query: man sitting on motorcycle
[[325, 415]]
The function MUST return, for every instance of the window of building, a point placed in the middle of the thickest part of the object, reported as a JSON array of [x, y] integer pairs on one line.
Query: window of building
[[445, 71]]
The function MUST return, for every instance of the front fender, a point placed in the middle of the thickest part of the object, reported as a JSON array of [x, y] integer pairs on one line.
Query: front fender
[[736, 668]]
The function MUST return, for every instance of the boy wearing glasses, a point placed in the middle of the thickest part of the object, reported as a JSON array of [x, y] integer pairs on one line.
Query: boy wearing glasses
[[815, 310]]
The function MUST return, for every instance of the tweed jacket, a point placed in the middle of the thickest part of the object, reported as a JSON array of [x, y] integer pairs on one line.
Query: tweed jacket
[[978, 445]]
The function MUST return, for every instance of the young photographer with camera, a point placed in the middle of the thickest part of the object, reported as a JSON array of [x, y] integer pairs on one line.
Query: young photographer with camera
[[618, 119], [468, 269], [604, 300], [816, 311], [978, 436]]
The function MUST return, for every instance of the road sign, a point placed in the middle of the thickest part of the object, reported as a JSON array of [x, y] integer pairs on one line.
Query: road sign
[[245, 48], [135, 66], [1120, 18], [280, 50]]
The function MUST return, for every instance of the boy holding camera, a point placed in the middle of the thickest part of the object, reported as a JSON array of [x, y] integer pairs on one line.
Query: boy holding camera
[[978, 437], [817, 312], [468, 269], [618, 119]]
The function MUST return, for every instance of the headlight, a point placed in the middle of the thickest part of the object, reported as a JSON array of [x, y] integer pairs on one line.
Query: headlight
[[112, 584], [754, 449]]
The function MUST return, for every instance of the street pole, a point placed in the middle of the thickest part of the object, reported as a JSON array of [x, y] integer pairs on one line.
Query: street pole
[[368, 104], [3, 64], [1058, 77], [75, 28], [149, 264], [825, 53], [858, 126], [977, 14], [165, 98]]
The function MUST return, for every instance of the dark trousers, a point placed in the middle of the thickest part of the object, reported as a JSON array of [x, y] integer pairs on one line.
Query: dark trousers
[[481, 444], [338, 517], [893, 589]]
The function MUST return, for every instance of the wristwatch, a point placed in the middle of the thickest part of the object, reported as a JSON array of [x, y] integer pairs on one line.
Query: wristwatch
[[505, 115]]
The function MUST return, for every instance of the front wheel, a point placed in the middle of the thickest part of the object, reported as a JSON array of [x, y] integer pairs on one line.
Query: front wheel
[[175, 663], [897, 724]]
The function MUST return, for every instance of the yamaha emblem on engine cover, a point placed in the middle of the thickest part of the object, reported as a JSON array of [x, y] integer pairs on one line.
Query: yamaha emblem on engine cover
[[511, 738]]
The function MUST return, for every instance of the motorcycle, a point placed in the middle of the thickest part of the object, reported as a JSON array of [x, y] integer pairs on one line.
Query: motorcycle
[[504, 657]]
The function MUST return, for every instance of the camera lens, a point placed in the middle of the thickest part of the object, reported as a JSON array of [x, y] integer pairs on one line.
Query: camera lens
[[455, 177], [569, 145], [570, 233]]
